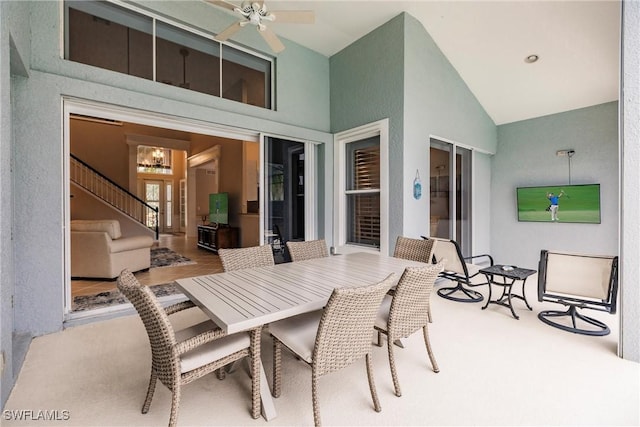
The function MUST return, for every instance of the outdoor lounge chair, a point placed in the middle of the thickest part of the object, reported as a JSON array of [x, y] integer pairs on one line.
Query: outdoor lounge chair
[[577, 281], [457, 269]]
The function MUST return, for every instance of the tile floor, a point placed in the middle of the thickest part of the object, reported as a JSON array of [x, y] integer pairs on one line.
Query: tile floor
[[206, 263]]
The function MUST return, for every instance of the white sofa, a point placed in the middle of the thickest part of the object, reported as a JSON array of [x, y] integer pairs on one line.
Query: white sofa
[[98, 250]]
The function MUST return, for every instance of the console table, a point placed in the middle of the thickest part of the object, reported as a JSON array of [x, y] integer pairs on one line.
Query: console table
[[214, 238]]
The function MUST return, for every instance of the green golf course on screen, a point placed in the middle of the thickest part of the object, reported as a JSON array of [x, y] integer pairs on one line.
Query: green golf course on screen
[[559, 203]]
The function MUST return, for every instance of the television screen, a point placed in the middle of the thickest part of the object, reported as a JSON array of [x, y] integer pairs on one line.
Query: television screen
[[560, 203], [219, 208]]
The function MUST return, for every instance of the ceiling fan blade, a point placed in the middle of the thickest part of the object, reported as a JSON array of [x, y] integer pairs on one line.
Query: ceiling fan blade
[[223, 4], [294, 16], [228, 32], [272, 40]]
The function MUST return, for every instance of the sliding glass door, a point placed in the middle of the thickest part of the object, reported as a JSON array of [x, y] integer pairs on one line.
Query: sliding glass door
[[288, 193], [450, 192]]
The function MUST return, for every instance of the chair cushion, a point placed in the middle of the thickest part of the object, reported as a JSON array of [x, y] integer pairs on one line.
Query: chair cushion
[[109, 226], [131, 243], [298, 333], [210, 351], [383, 313]]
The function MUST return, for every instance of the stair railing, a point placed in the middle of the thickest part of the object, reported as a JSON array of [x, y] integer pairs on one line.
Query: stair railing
[[113, 194]]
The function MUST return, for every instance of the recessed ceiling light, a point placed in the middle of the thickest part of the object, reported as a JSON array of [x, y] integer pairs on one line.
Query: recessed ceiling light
[[531, 59]]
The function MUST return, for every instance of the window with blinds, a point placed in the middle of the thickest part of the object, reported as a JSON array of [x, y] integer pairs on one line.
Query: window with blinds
[[363, 192]]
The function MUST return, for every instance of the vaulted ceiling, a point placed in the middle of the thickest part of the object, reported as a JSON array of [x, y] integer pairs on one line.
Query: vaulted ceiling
[[577, 42]]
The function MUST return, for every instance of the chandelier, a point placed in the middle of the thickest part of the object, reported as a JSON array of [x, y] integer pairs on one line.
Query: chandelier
[[158, 156]]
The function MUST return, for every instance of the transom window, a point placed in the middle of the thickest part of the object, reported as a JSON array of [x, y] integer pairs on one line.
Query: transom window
[[117, 38], [154, 160]]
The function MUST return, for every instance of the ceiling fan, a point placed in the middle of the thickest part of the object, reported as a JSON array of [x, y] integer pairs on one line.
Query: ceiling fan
[[255, 13]]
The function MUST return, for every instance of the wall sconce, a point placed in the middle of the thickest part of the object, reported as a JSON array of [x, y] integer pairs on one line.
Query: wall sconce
[[569, 152]]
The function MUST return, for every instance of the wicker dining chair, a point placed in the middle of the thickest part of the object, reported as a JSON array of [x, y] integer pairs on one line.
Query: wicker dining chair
[[180, 357], [309, 249], [415, 250], [404, 313], [333, 338], [238, 259]]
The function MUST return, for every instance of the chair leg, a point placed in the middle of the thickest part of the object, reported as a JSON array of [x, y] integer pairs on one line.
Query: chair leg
[[392, 365], [427, 343], [255, 373], [150, 390], [314, 397], [277, 367], [379, 343], [429, 317], [221, 373], [175, 403], [372, 384]]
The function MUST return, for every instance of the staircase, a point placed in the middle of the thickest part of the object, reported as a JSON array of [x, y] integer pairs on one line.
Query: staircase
[[113, 194]]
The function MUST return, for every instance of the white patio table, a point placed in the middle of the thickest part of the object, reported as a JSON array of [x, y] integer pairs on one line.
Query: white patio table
[[244, 299]]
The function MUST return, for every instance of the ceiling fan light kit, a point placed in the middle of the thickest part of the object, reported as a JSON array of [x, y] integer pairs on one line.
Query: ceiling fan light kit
[[255, 13]]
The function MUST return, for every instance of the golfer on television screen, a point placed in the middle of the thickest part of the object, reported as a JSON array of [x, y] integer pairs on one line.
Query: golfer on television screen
[[553, 207]]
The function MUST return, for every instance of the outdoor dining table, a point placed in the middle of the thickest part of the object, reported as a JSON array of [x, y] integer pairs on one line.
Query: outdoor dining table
[[245, 299]]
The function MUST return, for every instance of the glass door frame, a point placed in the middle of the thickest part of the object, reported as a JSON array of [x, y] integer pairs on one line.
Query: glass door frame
[[453, 148], [311, 184]]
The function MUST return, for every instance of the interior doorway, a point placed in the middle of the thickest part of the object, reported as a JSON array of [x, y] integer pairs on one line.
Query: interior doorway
[[108, 138]]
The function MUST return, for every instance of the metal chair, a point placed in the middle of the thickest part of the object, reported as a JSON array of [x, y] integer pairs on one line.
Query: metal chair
[[333, 338], [237, 259], [458, 270], [406, 312], [180, 357], [309, 249], [578, 281]]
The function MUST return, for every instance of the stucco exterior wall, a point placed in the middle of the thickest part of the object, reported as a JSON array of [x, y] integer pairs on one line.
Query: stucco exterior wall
[[630, 220], [437, 102], [526, 156], [303, 112]]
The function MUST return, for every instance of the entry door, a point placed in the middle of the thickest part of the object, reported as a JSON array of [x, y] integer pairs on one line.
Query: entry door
[[154, 196]]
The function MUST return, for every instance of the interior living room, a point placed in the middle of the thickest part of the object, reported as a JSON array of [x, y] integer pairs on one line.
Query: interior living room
[[176, 103], [173, 171]]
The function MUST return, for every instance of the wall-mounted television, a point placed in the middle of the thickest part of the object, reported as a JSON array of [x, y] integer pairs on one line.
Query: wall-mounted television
[[219, 208], [559, 203]]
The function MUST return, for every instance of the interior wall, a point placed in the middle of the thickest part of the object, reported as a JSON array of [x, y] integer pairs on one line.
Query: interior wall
[[526, 156]]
